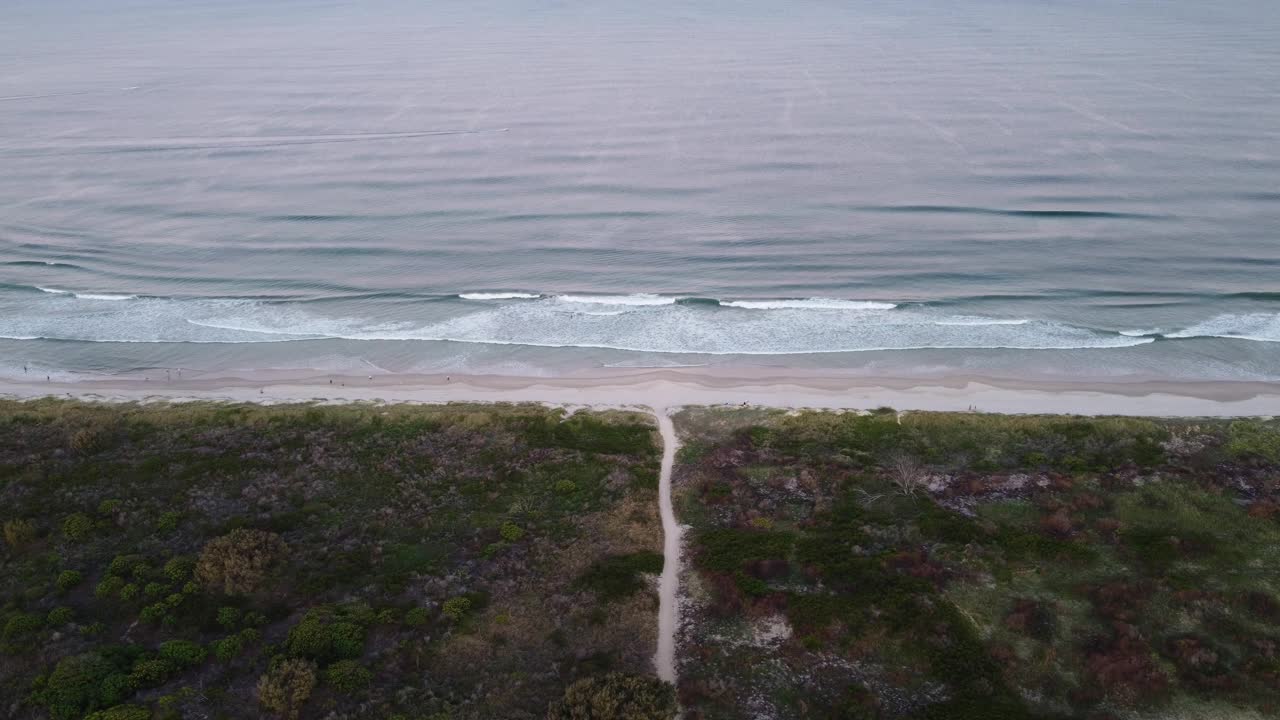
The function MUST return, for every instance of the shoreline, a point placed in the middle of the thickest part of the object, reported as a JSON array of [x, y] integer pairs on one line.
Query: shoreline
[[670, 388]]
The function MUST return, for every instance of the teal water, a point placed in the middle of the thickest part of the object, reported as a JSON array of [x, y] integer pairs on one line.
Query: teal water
[[1067, 189]]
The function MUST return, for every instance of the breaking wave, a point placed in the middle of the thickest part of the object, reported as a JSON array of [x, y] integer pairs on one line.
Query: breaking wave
[[642, 323]]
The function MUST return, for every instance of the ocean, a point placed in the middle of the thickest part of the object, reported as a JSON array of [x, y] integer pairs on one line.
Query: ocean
[[1072, 189]]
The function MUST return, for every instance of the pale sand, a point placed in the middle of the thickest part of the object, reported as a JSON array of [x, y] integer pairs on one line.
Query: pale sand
[[669, 584], [673, 388]]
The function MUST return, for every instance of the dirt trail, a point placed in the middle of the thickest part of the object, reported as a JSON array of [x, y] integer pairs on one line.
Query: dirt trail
[[668, 605]]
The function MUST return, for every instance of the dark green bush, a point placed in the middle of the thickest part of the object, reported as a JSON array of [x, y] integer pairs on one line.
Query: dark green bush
[[730, 550], [228, 648], [121, 712], [168, 521], [123, 564], [347, 676], [151, 672], [619, 576], [81, 684], [68, 579], [456, 608], [60, 616], [77, 526], [324, 635], [183, 653], [21, 626], [179, 568], [417, 617], [511, 532], [229, 617]]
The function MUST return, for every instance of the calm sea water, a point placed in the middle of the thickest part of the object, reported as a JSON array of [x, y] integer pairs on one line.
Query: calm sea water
[[1075, 188]]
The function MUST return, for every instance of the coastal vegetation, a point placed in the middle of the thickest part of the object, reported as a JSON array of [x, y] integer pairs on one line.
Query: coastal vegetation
[[239, 561], [964, 565], [457, 562]]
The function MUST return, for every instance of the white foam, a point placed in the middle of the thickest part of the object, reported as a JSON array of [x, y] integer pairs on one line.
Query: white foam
[[965, 321], [809, 304], [647, 323], [86, 296], [499, 296], [1260, 327], [1142, 333], [640, 300], [703, 330], [101, 296]]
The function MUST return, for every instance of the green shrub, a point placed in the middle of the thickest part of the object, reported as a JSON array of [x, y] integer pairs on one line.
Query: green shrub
[[729, 550], [228, 648], [154, 589], [81, 684], [456, 608], [68, 579], [566, 487], [77, 527], [123, 564], [615, 696], [417, 617], [179, 568], [238, 562], [347, 676], [324, 635], [154, 614], [1251, 439], [229, 617], [109, 587], [168, 521], [20, 626], [19, 533], [619, 576], [183, 653], [285, 688], [129, 592], [60, 616], [151, 672], [121, 712], [511, 532], [109, 507]]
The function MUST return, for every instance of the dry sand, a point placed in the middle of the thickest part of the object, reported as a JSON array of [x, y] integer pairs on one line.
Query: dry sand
[[674, 388]]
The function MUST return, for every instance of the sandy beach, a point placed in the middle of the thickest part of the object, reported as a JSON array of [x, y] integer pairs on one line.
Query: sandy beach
[[674, 388]]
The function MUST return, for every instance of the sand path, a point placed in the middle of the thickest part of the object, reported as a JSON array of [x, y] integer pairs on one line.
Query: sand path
[[668, 606]]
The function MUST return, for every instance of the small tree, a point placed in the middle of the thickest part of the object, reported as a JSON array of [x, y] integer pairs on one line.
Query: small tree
[[236, 563], [907, 474], [615, 696], [286, 687]]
